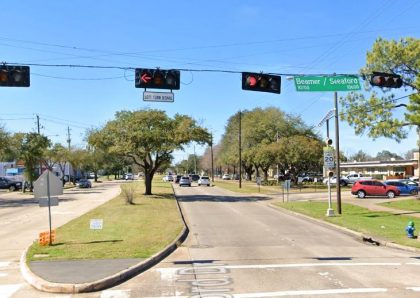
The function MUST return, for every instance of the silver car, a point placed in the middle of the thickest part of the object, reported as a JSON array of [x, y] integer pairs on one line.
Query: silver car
[[204, 180], [185, 181]]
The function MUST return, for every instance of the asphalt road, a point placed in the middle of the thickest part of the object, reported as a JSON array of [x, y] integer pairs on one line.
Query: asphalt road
[[238, 246], [21, 221]]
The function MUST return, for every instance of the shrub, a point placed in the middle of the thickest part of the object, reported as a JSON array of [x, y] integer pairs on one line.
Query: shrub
[[128, 190]]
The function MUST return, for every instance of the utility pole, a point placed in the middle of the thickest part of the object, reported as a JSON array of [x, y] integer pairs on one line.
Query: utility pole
[[240, 150], [68, 137], [195, 162], [278, 175], [211, 153], [38, 125], [337, 154]]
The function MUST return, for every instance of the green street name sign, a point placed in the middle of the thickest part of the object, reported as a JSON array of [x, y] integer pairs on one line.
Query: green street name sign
[[320, 83]]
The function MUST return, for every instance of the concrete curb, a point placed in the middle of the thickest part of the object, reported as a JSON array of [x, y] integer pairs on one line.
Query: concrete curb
[[107, 282], [357, 235]]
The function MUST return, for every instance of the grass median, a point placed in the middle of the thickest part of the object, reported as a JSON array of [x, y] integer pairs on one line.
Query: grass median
[[136, 230], [384, 225], [409, 205], [250, 187]]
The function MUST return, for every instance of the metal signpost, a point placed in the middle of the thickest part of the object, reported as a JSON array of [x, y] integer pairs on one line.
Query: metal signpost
[[46, 187], [329, 164]]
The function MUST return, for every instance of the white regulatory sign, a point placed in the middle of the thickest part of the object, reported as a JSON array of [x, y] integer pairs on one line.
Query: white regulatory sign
[[329, 161], [158, 96], [96, 224]]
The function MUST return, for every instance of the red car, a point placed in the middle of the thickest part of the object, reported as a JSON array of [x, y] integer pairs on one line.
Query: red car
[[363, 188]]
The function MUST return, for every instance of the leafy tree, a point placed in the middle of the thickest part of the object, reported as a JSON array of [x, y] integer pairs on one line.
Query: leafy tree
[[375, 115], [299, 154], [77, 159], [148, 138], [360, 156], [32, 152], [387, 155]]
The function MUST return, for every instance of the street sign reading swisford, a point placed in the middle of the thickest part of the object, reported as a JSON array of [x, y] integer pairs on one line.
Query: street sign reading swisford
[[333, 83], [158, 96]]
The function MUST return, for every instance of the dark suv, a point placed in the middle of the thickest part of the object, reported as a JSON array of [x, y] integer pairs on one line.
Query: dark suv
[[6, 183]]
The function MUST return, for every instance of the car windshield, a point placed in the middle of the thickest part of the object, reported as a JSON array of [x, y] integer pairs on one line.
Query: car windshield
[[204, 177]]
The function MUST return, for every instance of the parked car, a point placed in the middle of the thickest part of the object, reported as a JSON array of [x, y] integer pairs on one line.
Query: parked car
[[353, 177], [12, 185], [363, 188], [168, 178], [177, 178], [84, 183], [405, 189], [226, 177], [129, 176], [406, 181], [333, 180], [185, 181], [204, 180], [194, 177]]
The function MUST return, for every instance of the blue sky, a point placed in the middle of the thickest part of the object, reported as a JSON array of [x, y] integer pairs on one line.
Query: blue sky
[[287, 37]]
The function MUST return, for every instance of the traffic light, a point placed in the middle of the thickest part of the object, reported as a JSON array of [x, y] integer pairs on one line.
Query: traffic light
[[261, 82], [157, 78], [14, 76], [385, 80], [328, 141]]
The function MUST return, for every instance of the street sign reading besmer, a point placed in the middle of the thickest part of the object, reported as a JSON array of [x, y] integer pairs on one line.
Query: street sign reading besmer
[[321, 83]]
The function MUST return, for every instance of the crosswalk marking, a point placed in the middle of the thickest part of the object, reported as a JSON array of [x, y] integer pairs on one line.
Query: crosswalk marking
[[7, 291], [116, 294]]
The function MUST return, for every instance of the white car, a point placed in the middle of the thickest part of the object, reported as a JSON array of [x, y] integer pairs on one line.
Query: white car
[[204, 180], [226, 177], [168, 178], [129, 176]]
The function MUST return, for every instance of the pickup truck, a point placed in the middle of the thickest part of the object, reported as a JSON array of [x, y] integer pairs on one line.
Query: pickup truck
[[352, 178]]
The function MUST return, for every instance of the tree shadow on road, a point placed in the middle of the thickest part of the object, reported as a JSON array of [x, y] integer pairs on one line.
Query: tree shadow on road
[[220, 199]]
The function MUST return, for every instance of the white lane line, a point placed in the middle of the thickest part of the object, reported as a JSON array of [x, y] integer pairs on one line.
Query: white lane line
[[116, 294], [3, 274], [7, 291], [168, 271], [311, 292], [415, 289], [418, 263], [4, 264], [305, 265]]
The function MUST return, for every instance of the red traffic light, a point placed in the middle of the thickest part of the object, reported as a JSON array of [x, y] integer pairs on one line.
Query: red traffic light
[[14, 76], [157, 78], [261, 82], [386, 80]]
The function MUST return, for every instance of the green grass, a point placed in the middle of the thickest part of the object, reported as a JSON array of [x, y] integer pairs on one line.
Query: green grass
[[129, 231], [381, 224], [409, 205], [250, 187]]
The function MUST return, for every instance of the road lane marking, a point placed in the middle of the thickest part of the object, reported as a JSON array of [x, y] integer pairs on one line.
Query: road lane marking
[[311, 292], [166, 272], [7, 291], [4, 264], [116, 294], [415, 289]]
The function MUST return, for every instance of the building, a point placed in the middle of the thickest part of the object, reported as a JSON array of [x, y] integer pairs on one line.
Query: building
[[383, 169]]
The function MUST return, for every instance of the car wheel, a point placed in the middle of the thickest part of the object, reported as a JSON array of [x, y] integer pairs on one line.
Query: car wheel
[[390, 194], [199, 185], [361, 194], [343, 183], [414, 192], [12, 188]]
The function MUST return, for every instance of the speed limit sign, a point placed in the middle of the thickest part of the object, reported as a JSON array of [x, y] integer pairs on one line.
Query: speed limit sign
[[329, 158]]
